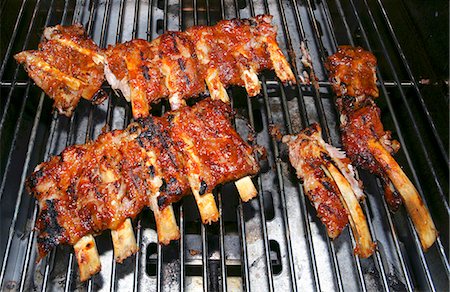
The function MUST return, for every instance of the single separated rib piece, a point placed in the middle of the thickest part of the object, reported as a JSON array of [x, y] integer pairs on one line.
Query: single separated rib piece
[[100, 185], [67, 66], [353, 74], [331, 185]]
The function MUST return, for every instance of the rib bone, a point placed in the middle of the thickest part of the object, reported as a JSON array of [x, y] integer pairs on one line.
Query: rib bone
[[87, 257], [414, 205], [246, 188], [364, 244], [124, 241]]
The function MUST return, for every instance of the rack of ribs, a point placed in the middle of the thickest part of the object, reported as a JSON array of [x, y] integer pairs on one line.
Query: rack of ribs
[[368, 145], [331, 184], [176, 65], [153, 163]]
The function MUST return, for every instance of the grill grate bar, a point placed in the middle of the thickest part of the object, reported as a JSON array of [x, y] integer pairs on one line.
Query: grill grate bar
[[405, 270], [30, 240], [28, 155], [261, 205], [400, 135], [203, 228], [181, 250], [302, 196], [322, 120], [223, 267], [389, 83], [287, 229], [25, 170], [281, 189], [89, 130], [304, 119], [313, 104], [240, 212], [50, 262], [410, 74], [11, 90], [378, 260], [181, 211], [11, 42], [410, 114], [70, 264], [321, 115], [260, 195]]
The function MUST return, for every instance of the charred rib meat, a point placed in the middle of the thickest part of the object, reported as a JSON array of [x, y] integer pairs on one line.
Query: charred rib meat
[[176, 65], [353, 72], [92, 187], [331, 185], [353, 75], [67, 66]]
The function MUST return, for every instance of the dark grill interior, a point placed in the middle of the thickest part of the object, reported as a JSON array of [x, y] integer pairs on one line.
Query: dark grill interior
[[275, 242]]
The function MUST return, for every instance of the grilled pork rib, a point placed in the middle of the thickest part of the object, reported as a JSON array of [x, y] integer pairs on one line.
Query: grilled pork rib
[[368, 145], [176, 65], [96, 186], [353, 72], [331, 185], [67, 66]]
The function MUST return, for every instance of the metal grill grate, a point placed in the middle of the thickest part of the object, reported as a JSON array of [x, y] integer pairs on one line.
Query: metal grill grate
[[275, 242]]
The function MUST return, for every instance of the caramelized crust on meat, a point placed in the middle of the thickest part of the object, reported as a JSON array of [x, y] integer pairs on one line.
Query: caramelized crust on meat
[[176, 64], [183, 77], [353, 72], [212, 150], [66, 66], [331, 185], [353, 76], [358, 127], [89, 188], [97, 186], [308, 157], [169, 161]]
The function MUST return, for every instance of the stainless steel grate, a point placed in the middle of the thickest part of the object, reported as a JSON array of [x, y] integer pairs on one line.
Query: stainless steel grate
[[275, 242]]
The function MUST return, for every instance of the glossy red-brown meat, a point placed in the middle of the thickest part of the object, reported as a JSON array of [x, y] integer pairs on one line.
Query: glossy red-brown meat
[[353, 76], [136, 66], [176, 64], [308, 157], [360, 125], [205, 131], [92, 187], [89, 188], [169, 161], [66, 66], [241, 41], [353, 72], [180, 65]]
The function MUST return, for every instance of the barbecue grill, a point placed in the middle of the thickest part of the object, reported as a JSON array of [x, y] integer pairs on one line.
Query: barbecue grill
[[275, 242]]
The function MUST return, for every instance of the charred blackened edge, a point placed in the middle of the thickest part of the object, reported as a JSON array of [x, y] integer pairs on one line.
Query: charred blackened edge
[[33, 180], [152, 133], [51, 234], [99, 97]]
